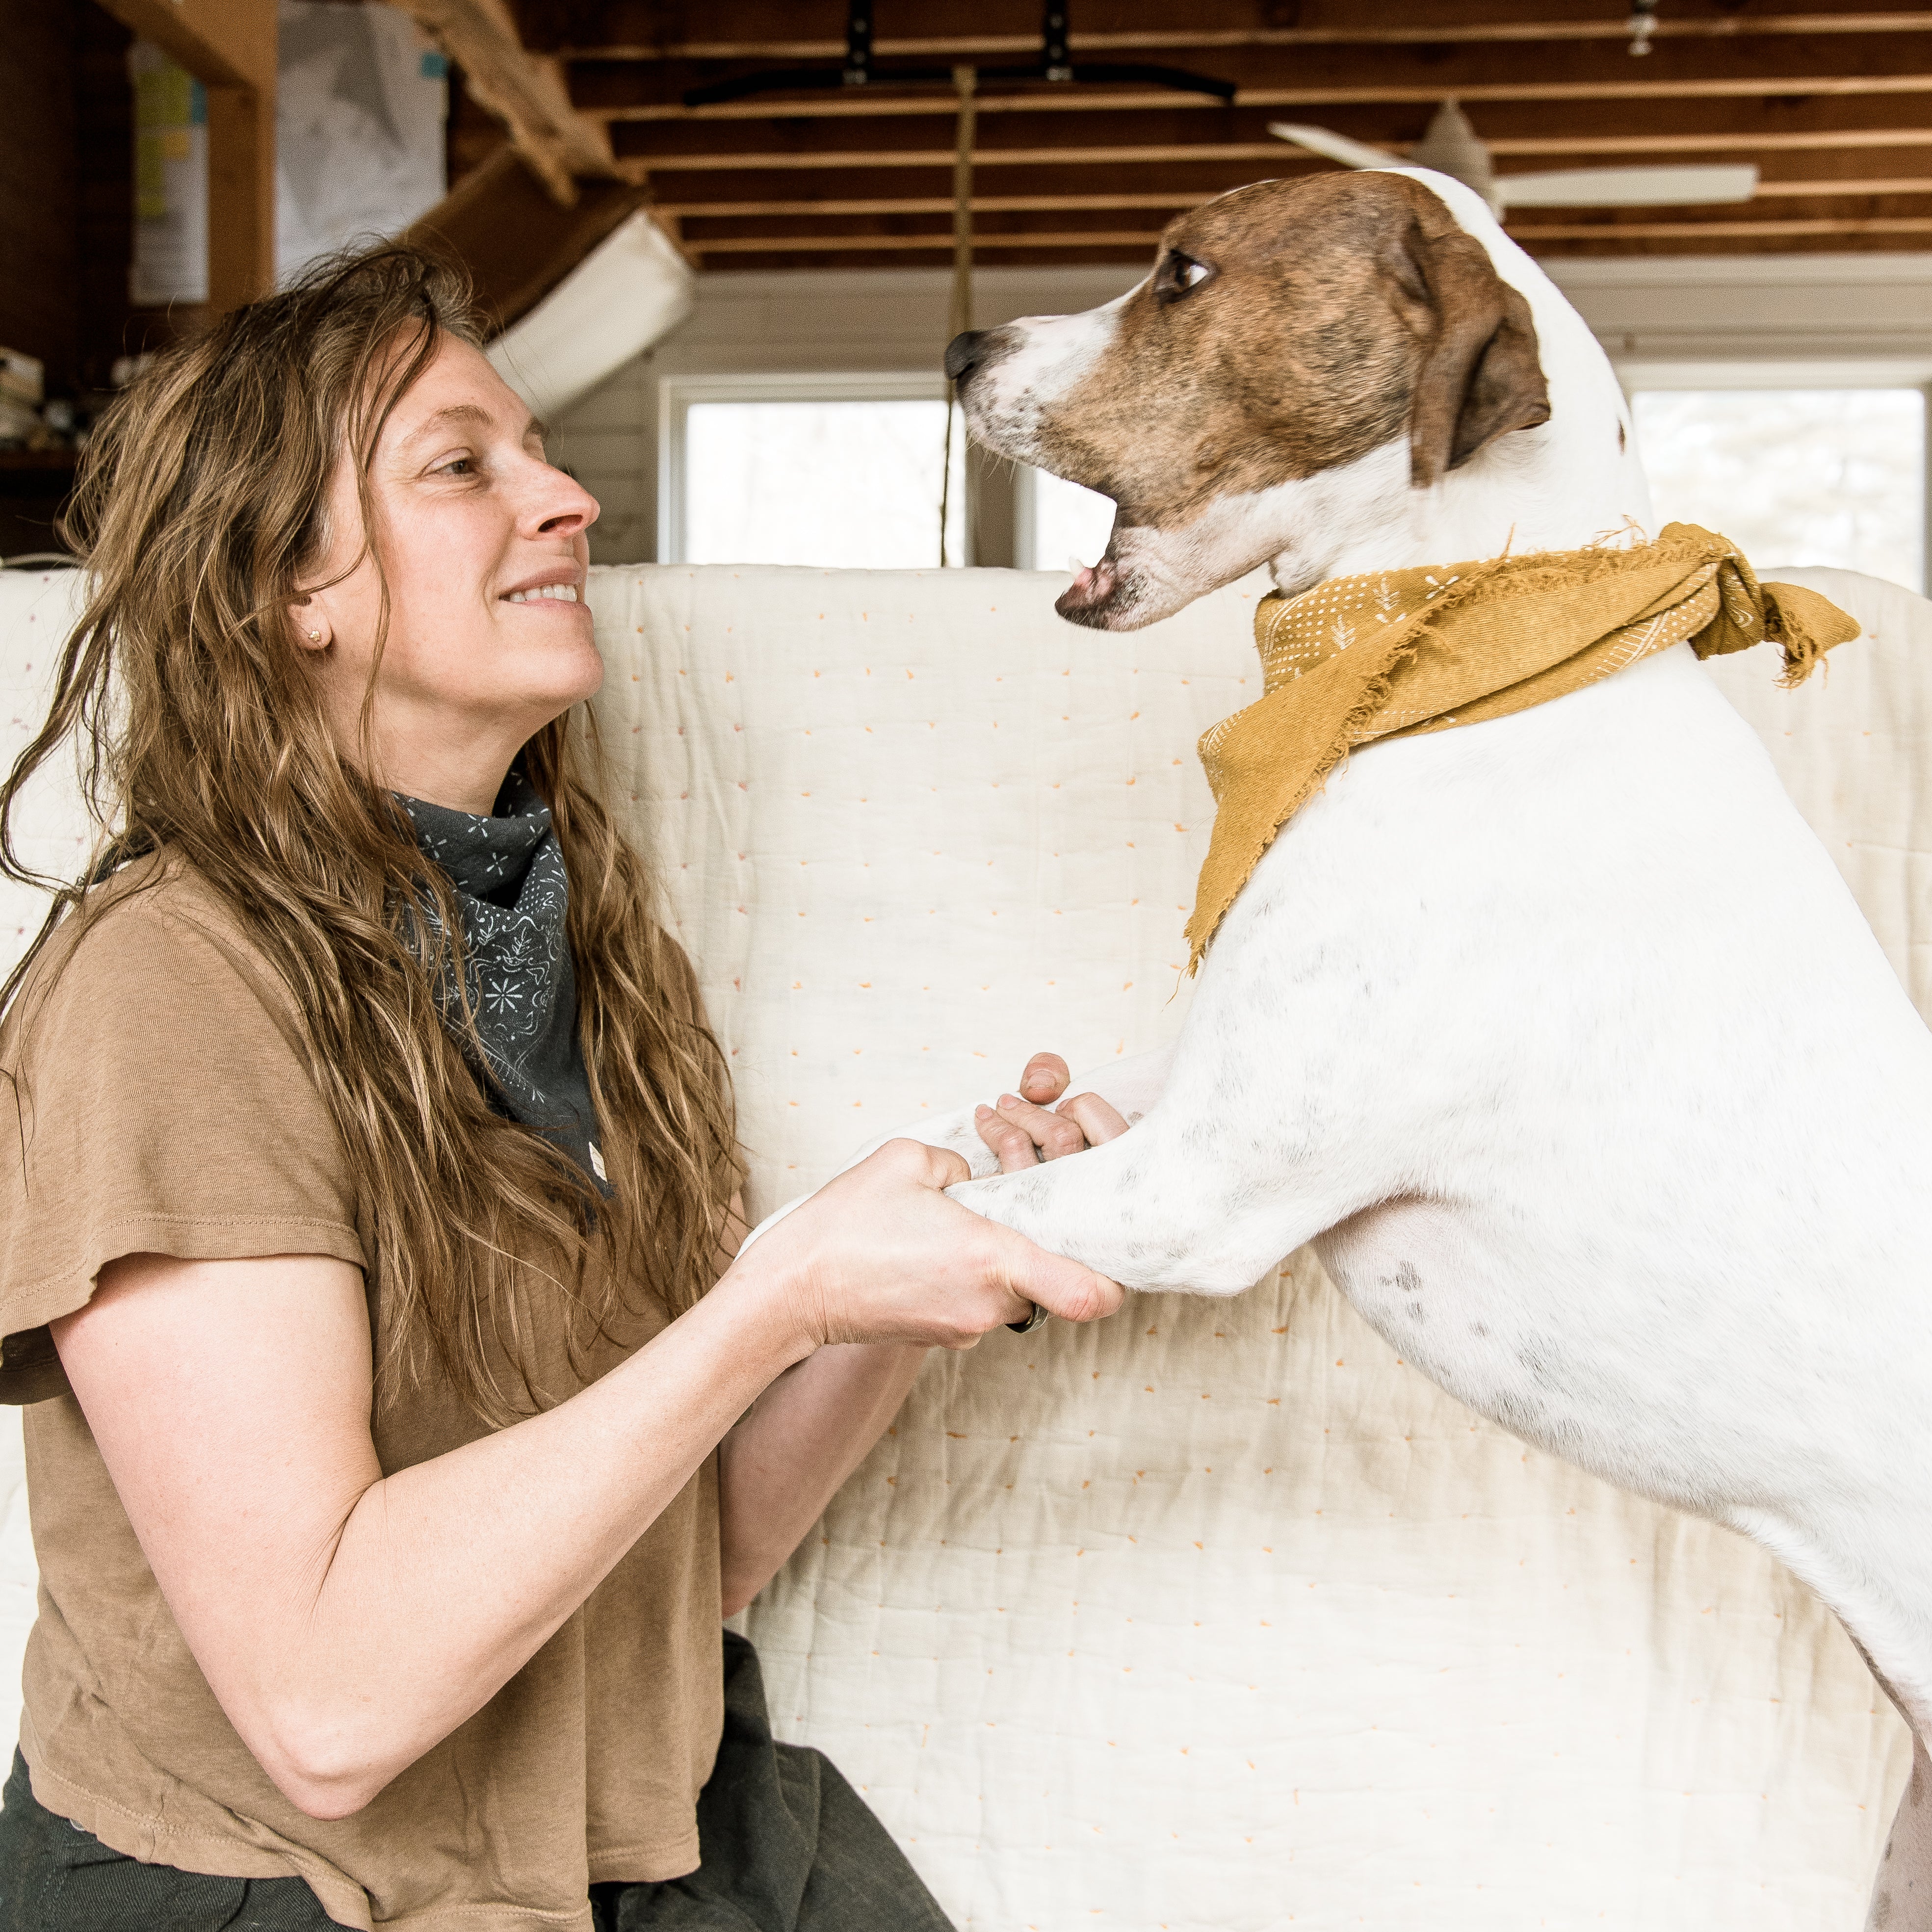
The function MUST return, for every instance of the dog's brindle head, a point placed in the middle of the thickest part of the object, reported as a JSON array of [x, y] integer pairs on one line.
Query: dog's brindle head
[[1289, 331]]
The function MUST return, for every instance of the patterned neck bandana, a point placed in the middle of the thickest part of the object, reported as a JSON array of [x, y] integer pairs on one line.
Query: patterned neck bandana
[[512, 895]]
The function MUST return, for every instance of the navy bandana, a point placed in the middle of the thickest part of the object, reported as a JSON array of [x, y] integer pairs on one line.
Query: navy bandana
[[512, 894]]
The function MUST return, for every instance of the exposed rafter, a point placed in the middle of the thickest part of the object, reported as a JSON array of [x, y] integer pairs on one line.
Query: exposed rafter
[[527, 92], [1093, 204], [741, 161], [1831, 103], [1142, 242], [1371, 33], [1707, 87]]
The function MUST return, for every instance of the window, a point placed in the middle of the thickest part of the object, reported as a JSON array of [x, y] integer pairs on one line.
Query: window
[[840, 472], [1816, 473], [1057, 524]]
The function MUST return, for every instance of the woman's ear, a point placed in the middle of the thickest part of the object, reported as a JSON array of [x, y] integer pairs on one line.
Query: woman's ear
[[1481, 376], [310, 625]]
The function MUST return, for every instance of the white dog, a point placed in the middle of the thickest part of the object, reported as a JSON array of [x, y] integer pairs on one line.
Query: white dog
[[1559, 1036]]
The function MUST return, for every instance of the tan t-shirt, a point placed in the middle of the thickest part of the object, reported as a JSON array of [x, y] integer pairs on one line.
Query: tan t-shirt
[[167, 1108]]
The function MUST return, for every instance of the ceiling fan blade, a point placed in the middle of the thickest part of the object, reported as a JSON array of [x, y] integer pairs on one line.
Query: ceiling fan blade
[[1627, 188], [1334, 147]]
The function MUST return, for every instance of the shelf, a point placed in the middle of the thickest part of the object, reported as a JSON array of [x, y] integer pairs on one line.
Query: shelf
[[42, 474]]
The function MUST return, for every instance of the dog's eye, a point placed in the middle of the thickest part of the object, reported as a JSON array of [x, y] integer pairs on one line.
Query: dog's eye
[[1180, 275]]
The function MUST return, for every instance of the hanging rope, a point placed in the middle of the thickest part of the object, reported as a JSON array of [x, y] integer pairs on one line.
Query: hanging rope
[[959, 315]]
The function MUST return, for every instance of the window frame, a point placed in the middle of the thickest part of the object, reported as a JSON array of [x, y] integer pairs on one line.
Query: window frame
[[1889, 372], [676, 394]]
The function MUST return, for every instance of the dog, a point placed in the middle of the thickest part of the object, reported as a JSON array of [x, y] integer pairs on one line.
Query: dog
[[1559, 1036]]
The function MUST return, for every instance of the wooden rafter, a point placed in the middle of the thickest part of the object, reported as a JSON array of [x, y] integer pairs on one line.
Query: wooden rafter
[[1137, 240], [1369, 33], [1073, 204], [1712, 87], [1142, 242], [1274, 152], [527, 92], [1832, 103], [1712, 231]]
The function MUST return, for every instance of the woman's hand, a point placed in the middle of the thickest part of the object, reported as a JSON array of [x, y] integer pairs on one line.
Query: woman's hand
[[1023, 1132], [880, 1254]]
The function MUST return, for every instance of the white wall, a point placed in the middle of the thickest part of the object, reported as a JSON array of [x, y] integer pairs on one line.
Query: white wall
[[1814, 308]]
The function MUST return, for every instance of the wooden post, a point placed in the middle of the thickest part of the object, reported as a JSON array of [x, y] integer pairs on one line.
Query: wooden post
[[229, 46], [959, 313]]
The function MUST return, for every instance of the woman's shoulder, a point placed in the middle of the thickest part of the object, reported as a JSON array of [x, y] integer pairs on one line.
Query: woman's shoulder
[[155, 943], [156, 1096]]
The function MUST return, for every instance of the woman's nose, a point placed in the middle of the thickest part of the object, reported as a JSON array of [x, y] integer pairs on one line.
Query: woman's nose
[[566, 506]]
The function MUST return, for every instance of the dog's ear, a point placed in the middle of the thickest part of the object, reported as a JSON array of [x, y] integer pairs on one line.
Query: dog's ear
[[1479, 376]]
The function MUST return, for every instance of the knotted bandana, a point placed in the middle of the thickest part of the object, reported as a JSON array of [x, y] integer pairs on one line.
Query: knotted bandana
[[512, 894], [1395, 653]]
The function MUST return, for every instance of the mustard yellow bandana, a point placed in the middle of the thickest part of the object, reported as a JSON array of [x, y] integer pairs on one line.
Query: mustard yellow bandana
[[1398, 653]]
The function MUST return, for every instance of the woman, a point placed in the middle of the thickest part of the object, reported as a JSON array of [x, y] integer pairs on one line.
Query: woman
[[390, 1462]]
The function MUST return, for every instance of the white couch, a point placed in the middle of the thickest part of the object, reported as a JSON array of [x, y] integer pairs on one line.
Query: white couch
[[1217, 1615]]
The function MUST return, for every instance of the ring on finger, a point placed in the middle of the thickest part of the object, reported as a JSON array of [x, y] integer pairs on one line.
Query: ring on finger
[[1032, 1322]]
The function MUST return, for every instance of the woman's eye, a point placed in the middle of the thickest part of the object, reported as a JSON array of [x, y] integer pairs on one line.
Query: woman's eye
[[457, 465]]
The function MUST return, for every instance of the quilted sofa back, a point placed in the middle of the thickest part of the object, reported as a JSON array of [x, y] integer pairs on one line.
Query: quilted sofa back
[[1217, 1614]]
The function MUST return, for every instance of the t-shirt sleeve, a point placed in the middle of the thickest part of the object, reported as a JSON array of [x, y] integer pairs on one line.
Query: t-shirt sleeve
[[159, 1103]]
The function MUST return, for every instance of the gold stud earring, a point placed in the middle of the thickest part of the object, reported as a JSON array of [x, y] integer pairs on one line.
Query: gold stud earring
[[315, 637]]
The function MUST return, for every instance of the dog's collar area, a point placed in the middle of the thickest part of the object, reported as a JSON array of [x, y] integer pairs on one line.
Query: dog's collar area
[[1395, 653]]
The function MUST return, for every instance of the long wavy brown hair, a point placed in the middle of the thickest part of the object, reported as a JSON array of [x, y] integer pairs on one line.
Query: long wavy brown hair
[[199, 510]]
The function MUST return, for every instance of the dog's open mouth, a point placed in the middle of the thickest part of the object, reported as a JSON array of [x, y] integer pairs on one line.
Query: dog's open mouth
[[1093, 595]]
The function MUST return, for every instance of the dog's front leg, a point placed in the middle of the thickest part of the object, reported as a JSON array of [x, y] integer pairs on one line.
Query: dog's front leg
[[1181, 1202], [1130, 1086]]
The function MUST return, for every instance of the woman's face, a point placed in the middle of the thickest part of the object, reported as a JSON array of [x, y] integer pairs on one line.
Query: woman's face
[[474, 527]]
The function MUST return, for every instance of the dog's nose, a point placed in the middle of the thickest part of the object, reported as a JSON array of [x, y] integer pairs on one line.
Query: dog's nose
[[962, 354]]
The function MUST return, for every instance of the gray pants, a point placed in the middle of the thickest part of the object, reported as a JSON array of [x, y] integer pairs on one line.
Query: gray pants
[[786, 1845]]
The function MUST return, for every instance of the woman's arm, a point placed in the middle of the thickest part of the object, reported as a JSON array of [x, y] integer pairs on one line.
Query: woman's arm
[[783, 1462], [348, 1621]]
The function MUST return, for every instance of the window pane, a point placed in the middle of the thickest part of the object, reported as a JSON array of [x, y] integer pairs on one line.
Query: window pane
[[1068, 522], [1831, 476], [854, 485]]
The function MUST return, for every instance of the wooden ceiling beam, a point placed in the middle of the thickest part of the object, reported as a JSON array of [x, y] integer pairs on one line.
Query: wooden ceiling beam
[[1827, 188], [1809, 187], [1370, 32], [1326, 75], [1716, 87], [935, 204], [1141, 244], [940, 242], [1176, 184], [742, 162], [1510, 126], [1831, 99], [1531, 233], [1853, 142], [500, 222], [526, 91], [1785, 142]]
